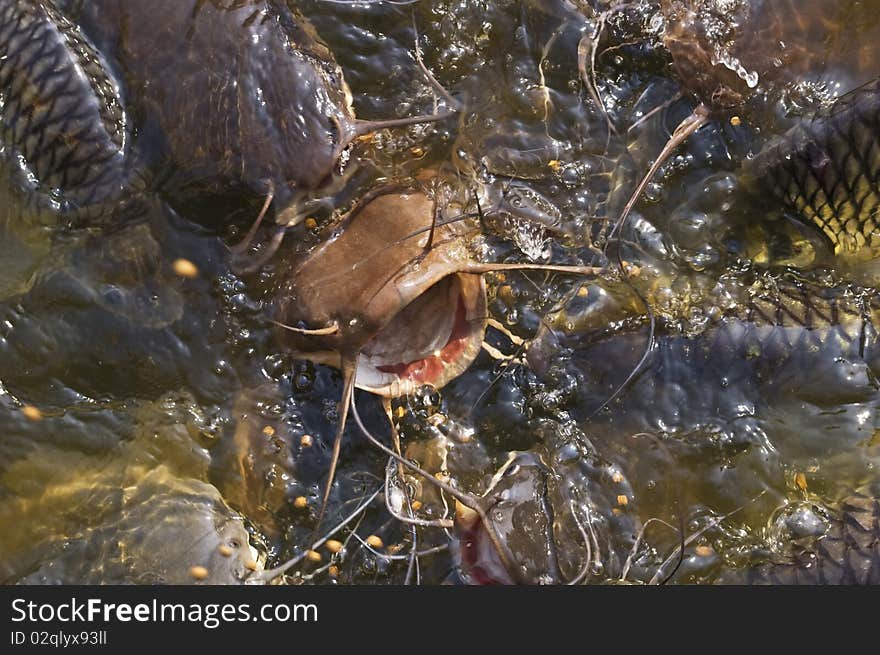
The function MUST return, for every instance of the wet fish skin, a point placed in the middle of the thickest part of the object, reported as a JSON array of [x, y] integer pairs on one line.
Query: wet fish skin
[[847, 554], [235, 95], [61, 114], [826, 171]]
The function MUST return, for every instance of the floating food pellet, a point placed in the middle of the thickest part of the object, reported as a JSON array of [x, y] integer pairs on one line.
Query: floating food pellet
[[418, 151], [395, 548], [801, 481], [31, 413], [374, 542], [225, 550], [199, 572], [416, 505], [311, 223], [704, 551], [554, 165], [333, 546], [505, 292], [313, 556], [268, 430], [333, 571], [306, 441], [442, 476], [185, 268], [250, 565], [583, 292], [622, 500], [617, 477], [401, 412], [735, 121], [300, 502]]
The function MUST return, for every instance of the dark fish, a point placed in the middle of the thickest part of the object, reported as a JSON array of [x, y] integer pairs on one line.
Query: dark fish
[[827, 172], [845, 552], [62, 122], [242, 96], [754, 354], [167, 530]]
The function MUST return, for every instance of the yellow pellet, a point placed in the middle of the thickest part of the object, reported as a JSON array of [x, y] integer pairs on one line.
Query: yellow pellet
[[583, 292], [300, 502], [268, 430], [225, 550], [416, 505], [801, 481], [704, 551], [617, 477], [306, 441], [622, 500], [311, 223], [735, 121], [199, 572], [374, 542], [185, 268], [313, 556], [333, 546], [333, 571], [31, 413], [250, 565]]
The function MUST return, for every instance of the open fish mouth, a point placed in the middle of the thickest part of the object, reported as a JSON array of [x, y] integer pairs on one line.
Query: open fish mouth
[[430, 341]]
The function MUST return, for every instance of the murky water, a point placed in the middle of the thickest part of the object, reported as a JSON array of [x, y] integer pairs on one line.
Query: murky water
[[738, 411]]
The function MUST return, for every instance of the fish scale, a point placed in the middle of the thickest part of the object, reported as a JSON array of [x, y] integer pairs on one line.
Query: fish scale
[[60, 111], [847, 553], [827, 171]]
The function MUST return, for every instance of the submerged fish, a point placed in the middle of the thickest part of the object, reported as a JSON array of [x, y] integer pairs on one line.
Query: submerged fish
[[62, 120], [240, 95], [826, 171], [840, 546]]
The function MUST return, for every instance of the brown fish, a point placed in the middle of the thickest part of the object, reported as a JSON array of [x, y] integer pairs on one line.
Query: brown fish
[[394, 298]]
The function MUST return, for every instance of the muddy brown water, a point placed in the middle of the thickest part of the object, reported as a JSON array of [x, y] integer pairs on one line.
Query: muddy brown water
[[160, 395]]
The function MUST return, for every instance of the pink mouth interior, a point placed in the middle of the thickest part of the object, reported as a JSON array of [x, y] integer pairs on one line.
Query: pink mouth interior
[[424, 341], [429, 369]]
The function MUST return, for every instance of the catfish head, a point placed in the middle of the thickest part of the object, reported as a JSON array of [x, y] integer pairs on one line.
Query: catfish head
[[388, 297]]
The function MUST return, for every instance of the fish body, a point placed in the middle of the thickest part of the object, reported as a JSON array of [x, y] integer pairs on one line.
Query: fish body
[[243, 96], [845, 552], [826, 172], [62, 120]]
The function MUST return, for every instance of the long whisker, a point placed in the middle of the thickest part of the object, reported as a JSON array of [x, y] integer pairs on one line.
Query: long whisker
[[348, 372], [465, 498], [270, 574]]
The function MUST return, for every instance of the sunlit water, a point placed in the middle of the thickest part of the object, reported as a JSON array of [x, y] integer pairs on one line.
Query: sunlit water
[[160, 394]]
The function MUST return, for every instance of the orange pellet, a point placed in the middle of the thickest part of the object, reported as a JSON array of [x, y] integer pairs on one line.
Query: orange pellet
[[31, 413], [185, 268], [199, 572], [374, 542]]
